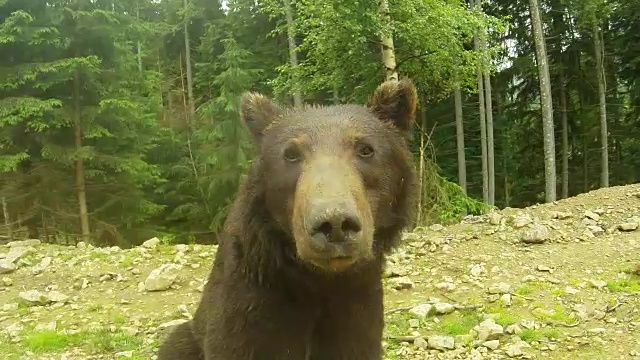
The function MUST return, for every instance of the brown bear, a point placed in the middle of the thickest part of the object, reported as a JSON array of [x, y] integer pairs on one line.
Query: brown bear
[[298, 272]]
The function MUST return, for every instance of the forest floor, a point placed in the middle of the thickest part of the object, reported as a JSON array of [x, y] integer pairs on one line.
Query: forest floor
[[553, 281]]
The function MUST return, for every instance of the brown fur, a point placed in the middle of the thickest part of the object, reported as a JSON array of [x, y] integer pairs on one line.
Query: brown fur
[[282, 289]]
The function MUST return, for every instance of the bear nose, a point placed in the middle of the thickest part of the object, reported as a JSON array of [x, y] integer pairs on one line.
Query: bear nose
[[338, 225]]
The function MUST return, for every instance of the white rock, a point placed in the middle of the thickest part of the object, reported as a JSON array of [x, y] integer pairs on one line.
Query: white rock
[[151, 243], [440, 342], [443, 308], [492, 344], [161, 278], [422, 310]]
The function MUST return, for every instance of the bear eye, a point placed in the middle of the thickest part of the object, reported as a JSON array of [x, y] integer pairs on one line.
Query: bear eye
[[364, 150], [292, 153]]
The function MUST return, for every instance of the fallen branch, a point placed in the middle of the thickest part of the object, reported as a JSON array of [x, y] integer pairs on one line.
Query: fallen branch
[[609, 309], [522, 297], [404, 308], [407, 338]]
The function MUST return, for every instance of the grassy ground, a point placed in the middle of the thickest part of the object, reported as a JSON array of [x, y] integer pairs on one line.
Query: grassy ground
[[574, 297]]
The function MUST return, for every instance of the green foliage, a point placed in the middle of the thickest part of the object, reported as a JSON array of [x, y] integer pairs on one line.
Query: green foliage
[[445, 202], [98, 91]]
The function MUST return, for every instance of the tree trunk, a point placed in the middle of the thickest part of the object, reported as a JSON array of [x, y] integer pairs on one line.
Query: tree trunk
[[483, 138], [545, 99], [602, 95], [336, 94], [7, 219], [187, 60], [490, 144], [139, 50], [293, 54], [386, 41], [585, 163], [565, 137], [477, 46], [80, 180], [486, 78], [421, 164], [462, 164]]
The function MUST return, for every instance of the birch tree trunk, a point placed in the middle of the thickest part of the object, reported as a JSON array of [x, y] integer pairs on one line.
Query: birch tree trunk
[[462, 164], [187, 60], [293, 54], [421, 164], [477, 45], [81, 190], [483, 137], [565, 137], [139, 49], [602, 96], [7, 219], [545, 99], [386, 40], [490, 145]]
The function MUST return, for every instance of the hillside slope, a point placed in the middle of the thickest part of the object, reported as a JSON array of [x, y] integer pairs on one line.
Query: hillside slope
[[556, 281]]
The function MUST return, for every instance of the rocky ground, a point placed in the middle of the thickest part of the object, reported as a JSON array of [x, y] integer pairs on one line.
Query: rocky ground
[[555, 281]]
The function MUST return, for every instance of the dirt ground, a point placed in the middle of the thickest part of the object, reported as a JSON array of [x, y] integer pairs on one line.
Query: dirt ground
[[553, 281]]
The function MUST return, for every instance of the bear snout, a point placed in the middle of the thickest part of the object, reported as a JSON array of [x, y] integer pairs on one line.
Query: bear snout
[[334, 221], [335, 234]]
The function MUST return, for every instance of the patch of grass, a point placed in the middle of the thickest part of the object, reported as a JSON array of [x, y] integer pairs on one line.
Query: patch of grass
[[50, 341], [551, 333], [562, 314], [97, 255], [575, 282], [505, 319], [530, 288], [127, 260], [95, 307], [530, 335], [626, 284], [558, 314], [557, 292], [117, 318], [103, 340], [398, 324], [106, 341], [501, 315], [458, 324]]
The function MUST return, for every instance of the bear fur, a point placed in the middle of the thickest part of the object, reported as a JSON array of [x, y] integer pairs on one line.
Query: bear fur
[[298, 271]]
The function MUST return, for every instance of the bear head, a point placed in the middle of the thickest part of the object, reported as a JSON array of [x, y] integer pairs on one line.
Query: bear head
[[339, 180]]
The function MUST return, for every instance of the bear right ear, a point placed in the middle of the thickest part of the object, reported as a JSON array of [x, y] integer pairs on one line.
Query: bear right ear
[[257, 113], [395, 101]]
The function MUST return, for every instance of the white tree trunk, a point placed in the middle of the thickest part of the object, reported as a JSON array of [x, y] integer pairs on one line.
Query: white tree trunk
[[483, 135], [565, 138], [7, 219], [490, 146], [602, 95], [293, 54], [547, 108], [478, 47], [81, 189], [462, 164], [386, 40], [187, 60]]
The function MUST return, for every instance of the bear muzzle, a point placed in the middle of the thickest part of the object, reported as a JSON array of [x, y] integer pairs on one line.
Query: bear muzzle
[[335, 236]]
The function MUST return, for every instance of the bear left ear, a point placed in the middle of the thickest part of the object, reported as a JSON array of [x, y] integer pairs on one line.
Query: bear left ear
[[396, 101], [258, 112]]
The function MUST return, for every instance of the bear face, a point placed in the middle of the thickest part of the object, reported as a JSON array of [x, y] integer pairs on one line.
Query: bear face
[[337, 178]]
